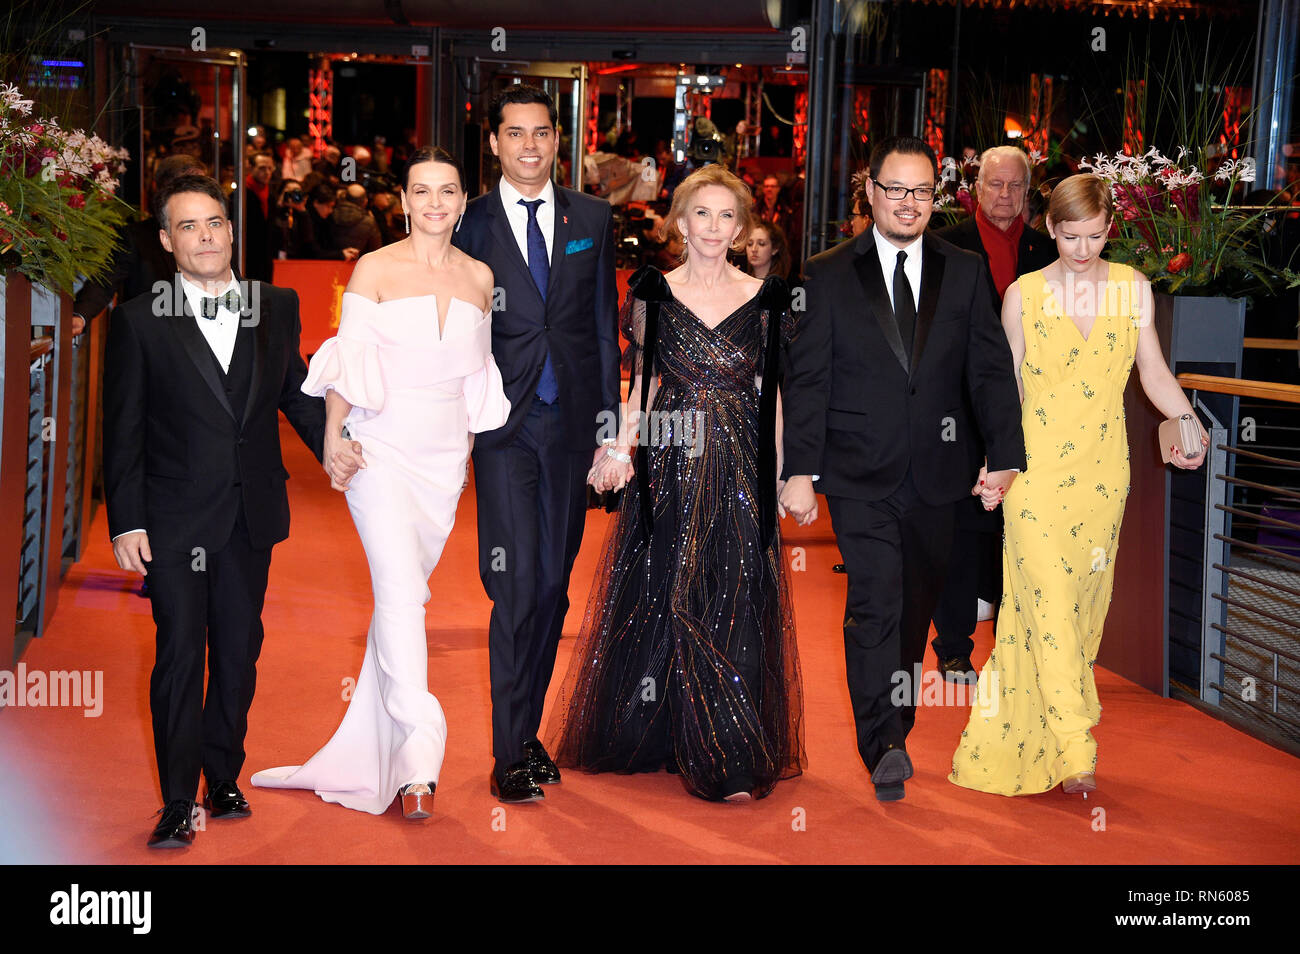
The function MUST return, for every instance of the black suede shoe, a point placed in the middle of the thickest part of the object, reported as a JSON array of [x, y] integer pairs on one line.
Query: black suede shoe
[[540, 766], [958, 669], [516, 784], [893, 769], [176, 829], [225, 800]]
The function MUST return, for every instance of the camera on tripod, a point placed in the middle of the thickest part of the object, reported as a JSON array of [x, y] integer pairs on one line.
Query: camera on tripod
[[706, 145]]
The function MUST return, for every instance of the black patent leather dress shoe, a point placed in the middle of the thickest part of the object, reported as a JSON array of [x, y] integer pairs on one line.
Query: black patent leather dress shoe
[[176, 828], [839, 568], [517, 785], [543, 770], [225, 800], [958, 669], [893, 769]]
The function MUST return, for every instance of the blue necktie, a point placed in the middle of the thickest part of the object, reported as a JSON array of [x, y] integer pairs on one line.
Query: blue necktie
[[548, 388]]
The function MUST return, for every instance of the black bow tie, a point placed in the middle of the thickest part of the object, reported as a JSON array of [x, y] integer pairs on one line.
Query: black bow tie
[[208, 306]]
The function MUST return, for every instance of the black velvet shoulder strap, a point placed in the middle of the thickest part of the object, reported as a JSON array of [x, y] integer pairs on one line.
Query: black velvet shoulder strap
[[774, 299], [647, 284]]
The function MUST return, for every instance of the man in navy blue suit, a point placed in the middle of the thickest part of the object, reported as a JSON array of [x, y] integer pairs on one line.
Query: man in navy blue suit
[[555, 339]]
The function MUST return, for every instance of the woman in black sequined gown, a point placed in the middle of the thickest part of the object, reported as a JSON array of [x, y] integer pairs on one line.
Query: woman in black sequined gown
[[687, 657]]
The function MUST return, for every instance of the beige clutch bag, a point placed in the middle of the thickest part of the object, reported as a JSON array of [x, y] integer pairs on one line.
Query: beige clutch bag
[[1184, 432]]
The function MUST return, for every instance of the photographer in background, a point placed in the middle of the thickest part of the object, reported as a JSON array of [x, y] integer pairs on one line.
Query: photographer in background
[[320, 209], [291, 234]]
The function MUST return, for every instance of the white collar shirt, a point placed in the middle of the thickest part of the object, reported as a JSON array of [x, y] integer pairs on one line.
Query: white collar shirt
[[219, 332], [888, 253], [518, 216]]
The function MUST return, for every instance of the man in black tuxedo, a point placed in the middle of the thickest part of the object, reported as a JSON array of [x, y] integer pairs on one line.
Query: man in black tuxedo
[[898, 325], [555, 339], [1009, 248], [194, 375]]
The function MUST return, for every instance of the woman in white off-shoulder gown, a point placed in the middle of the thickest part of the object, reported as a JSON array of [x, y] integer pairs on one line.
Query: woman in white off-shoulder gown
[[411, 375]]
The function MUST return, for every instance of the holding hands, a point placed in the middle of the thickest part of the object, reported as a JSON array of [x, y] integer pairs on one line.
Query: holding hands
[[611, 468], [341, 459], [992, 487], [798, 499]]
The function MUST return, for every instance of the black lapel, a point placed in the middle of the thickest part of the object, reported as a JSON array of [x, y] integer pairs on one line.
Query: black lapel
[[867, 265], [977, 245], [504, 237], [932, 265], [559, 238], [185, 327], [258, 324], [1025, 247], [1031, 248]]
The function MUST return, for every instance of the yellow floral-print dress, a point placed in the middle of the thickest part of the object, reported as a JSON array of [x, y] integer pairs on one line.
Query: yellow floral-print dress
[[1037, 700]]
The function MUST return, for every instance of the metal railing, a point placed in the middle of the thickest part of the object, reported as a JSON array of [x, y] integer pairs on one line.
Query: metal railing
[[1250, 622], [79, 468], [30, 563]]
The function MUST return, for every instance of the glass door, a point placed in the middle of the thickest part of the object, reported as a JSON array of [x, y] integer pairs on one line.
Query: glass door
[[191, 102]]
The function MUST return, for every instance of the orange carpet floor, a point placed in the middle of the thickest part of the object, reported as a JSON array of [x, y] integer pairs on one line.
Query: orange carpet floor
[[1176, 786]]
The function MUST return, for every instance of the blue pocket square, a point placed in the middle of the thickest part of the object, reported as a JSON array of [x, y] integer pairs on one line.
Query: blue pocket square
[[578, 245]]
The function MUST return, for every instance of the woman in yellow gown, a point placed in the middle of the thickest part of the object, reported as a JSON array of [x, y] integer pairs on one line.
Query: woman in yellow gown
[[1076, 328]]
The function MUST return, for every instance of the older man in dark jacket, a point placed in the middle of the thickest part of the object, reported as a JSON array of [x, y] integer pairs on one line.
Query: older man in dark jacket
[[1010, 248]]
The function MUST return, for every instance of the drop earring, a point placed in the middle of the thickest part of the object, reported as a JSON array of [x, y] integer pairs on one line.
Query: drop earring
[[458, 221], [408, 221]]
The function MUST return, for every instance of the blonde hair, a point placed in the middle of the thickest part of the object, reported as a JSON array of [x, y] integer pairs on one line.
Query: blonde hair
[[684, 198], [1079, 198]]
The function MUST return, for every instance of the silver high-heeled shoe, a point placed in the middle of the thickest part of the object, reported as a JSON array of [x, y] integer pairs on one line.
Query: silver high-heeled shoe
[[1079, 784], [417, 799]]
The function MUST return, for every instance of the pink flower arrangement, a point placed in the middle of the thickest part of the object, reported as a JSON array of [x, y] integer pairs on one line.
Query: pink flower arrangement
[[49, 228], [1170, 225]]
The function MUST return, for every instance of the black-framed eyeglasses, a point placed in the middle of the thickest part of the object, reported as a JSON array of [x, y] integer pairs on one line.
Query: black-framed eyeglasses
[[896, 192]]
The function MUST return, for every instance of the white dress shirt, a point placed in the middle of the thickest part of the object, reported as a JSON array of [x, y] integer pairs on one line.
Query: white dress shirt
[[518, 216], [888, 253], [221, 331]]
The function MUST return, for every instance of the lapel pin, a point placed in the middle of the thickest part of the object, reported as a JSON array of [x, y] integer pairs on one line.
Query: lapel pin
[[566, 220]]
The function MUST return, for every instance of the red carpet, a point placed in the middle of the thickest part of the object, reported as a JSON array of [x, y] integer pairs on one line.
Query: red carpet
[[1176, 786]]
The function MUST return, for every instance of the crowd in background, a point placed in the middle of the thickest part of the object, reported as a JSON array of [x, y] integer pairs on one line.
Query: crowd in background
[[345, 202], [640, 184], [335, 206]]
